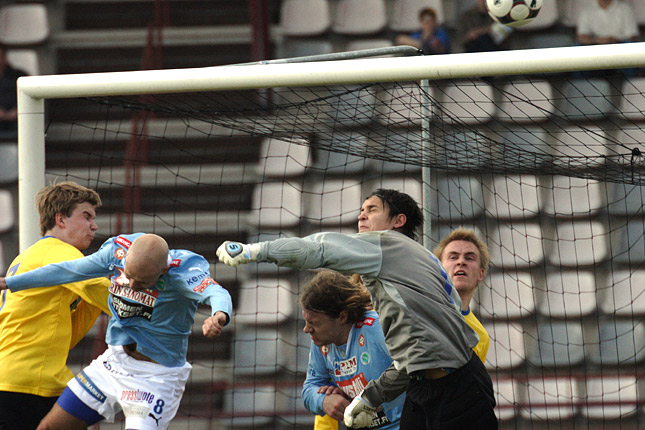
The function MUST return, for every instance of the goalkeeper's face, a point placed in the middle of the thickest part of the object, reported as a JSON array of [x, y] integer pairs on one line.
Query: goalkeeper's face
[[375, 216]]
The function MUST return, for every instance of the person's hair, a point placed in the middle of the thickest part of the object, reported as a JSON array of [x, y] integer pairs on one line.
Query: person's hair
[[401, 203], [62, 198], [428, 11], [468, 235], [330, 293]]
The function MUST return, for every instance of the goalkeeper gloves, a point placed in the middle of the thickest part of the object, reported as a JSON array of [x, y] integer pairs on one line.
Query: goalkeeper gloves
[[359, 413], [236, 253]]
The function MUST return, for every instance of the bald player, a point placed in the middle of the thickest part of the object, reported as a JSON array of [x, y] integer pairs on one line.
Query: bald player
[[154, 293]]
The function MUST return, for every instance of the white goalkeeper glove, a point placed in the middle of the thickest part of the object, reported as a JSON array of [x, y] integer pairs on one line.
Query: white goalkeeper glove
[[236, 253], [359, 413]]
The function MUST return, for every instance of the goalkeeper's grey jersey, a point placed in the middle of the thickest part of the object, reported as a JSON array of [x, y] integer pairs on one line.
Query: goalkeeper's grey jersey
[[419, 309]]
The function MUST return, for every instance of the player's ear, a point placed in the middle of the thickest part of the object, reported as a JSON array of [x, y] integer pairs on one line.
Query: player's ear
[[400, 220], [60, 220], [343, 316]]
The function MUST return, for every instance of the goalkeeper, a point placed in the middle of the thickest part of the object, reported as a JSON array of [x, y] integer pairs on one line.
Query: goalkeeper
[[430, 343]]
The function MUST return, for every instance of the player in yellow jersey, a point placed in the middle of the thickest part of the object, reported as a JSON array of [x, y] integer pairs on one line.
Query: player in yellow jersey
[[465, 257], [38, 327]]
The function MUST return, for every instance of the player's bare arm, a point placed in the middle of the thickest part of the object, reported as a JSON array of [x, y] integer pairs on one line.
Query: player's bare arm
[[3, 284]]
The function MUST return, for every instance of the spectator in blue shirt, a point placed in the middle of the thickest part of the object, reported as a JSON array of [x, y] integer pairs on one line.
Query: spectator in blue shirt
[[431, 39]]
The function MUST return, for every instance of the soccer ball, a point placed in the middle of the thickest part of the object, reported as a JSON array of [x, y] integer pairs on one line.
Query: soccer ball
[[513, 13]]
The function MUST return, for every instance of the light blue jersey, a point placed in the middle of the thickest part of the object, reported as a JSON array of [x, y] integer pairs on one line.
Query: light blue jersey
[[159, 320], [350, 367]]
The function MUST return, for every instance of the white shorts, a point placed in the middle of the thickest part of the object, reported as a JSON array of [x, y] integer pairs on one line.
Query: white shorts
[[148, 393]]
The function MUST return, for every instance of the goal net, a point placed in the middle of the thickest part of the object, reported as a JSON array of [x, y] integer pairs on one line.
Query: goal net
[[542, 161]]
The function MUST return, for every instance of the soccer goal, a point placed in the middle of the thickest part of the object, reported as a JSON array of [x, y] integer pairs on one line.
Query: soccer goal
[[539, 151]]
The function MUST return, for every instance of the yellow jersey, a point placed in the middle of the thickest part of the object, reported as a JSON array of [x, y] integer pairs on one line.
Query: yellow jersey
[[39, 326], [325, 423], [481, 349]]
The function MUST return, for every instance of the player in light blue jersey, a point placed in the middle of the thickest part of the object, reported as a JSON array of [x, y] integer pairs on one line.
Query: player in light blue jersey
[[347, 349], [154, 293]]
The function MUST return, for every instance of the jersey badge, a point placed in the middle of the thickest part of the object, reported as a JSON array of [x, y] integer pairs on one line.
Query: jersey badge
[[361, 340], [123, 242], [324, 350], [175, 263], [205, 283], [119, 253], [365, 358]]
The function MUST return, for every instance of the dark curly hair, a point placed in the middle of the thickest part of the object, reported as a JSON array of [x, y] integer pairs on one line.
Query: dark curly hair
[[401, 203]]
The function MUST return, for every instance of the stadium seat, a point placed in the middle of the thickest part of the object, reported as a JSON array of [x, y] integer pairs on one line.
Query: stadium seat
[[523, 140], [402, 105], [408, 185], [25, 60], [610, 397], [512, 197], [567, 294], [336, 163], [279, 158], [304, 17], [585, 99], [625, 199], [572, 11], [250, 407], [297, 47], [516, 245], [525, 102], [457, 198], [507, 295], [350, 106], [505, 399], [333, 201], [574, 243], [549, 399], [8, 163], [7, 217], [580, 147], [469, 102], [506, 348], [618, 341], [23, 24], [404, 16], [363, 44], [359, 17], [555, 343], [275, 205], [572, 197], [632, 100], [628, 242], [263, 350], [639, 11], [265, 301], [547, 17], [623, 293]]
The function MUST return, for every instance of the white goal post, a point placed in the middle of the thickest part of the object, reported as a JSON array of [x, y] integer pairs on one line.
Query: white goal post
[[33, 90]]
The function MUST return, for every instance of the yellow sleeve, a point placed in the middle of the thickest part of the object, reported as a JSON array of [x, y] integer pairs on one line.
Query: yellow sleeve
[[325, 423], [83, 318], [481, 349]]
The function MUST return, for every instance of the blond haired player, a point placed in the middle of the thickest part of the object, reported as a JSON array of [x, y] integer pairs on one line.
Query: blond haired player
[[465, 257], [39, 327]]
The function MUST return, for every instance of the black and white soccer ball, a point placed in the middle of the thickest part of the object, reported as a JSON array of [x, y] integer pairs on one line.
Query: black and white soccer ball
[[513, 13]]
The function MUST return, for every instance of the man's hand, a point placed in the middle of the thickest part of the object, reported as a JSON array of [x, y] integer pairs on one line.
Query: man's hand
[[359, 413], [334, 405], [3, 284], [236, 253], [213, 326]]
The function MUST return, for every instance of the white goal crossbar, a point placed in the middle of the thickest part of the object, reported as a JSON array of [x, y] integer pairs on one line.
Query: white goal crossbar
[[33, 90]]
